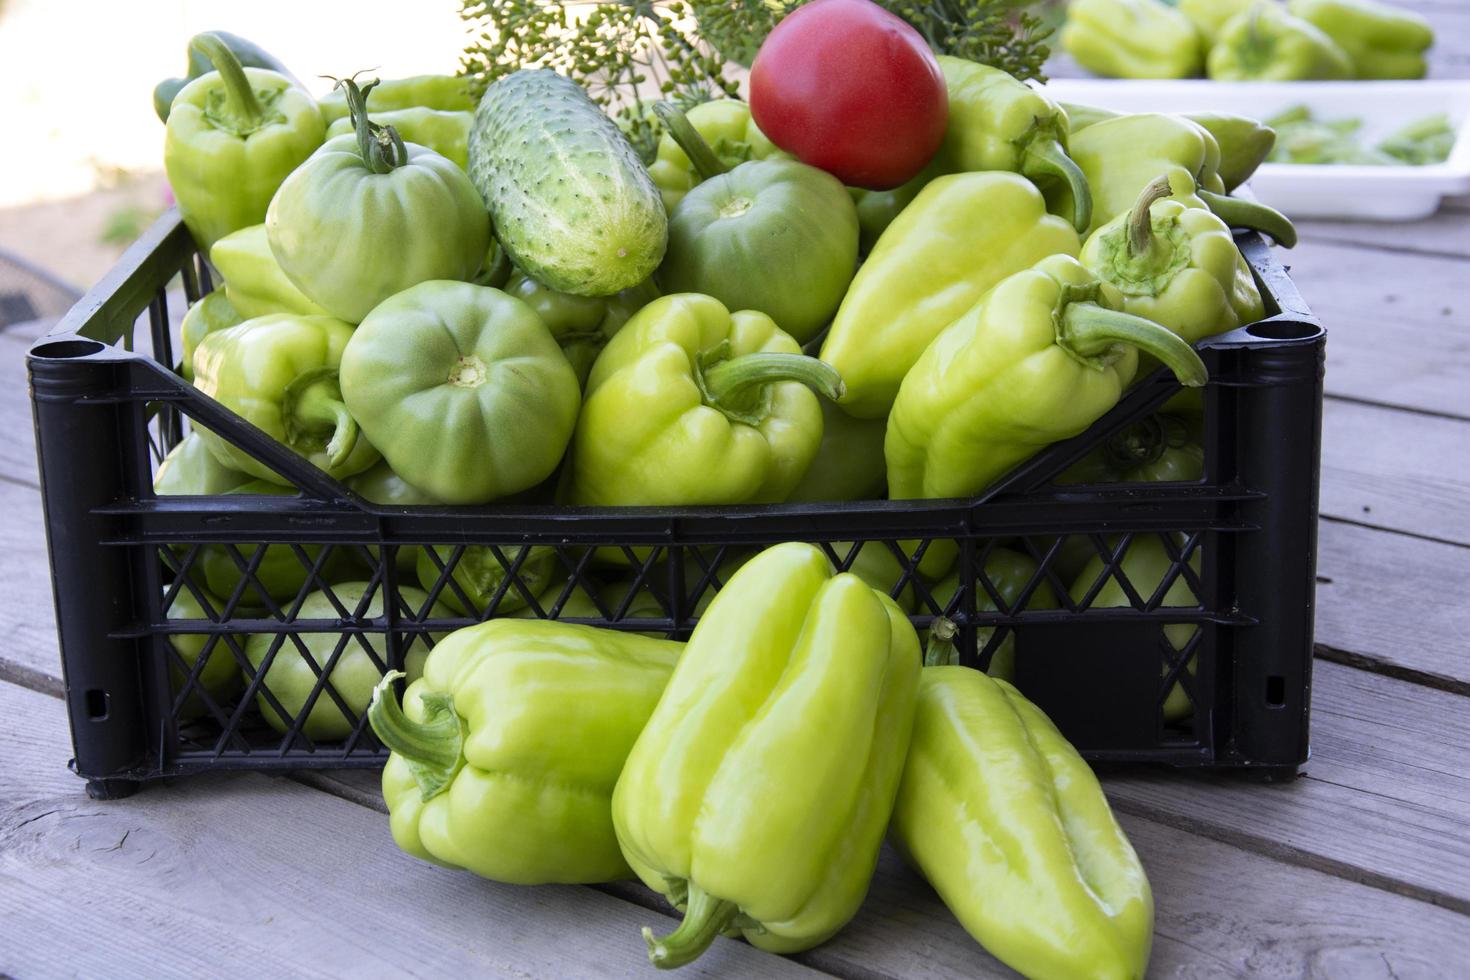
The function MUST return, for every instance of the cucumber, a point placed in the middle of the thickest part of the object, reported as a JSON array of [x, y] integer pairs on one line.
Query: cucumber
[[572, 203]]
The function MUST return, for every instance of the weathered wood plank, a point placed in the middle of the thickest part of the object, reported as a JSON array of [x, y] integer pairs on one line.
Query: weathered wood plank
[[1398, 470], [1447, 233], [1394, 603], [1221, 911], [1396, 324], [1386, 798], [27, 611], [202, 876]]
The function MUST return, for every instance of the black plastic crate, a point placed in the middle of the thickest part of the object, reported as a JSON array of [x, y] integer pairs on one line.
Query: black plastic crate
[[1228, 686]]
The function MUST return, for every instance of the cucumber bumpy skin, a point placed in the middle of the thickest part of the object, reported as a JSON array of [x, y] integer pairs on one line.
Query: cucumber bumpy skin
[[572, 203]]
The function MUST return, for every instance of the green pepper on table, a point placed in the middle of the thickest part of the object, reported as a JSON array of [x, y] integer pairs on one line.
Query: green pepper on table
[[775, 236], [692, 404], [1380, 40], [353, 673], [1244, 143], [795, 693], [1132, 39], [505, 754], [1266, 43], [1004, 818], [1209, 16], [233, 136], [961, 235]]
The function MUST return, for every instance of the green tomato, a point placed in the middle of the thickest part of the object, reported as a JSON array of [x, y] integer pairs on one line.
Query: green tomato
[[582, 325], [480, 575], [220, 675], [290, 678], [349, 237], [775, 236], [462, 389], [724, 124]]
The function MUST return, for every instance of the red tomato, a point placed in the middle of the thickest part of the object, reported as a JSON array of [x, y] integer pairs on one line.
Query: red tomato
[[848, 87]]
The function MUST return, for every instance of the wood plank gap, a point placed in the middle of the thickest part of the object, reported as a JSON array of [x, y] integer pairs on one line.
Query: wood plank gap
[[1287, 854], [1357, 243], [18, 481], [1394, 407], [1372, 665], [1393, 530], [31, 679]]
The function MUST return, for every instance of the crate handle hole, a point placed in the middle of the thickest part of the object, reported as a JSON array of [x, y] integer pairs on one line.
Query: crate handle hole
[[1275, 691], [96, 703], [1283, 330], [62, 350]]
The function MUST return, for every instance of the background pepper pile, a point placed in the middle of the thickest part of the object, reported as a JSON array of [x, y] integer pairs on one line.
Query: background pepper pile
[[475, 315], [1247, 40]]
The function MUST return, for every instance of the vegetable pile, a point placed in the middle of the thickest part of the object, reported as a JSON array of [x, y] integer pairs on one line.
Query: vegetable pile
[[444, 300], [1247, 40]]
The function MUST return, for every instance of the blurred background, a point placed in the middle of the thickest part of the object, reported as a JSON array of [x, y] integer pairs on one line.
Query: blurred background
[[83, 173]]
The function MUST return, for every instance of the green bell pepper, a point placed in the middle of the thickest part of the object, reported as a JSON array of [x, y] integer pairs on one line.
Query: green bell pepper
[[445, 131], [1158, 449], [1122, 155], [1175, 265], [247, 53], [1132, 39], [725, 125], [1002, 816], [486, 581], [280, 374], [506, 752], [1008, 572], [849, 462], [212, 312], [999, 123], [1209, 16], [1421, 142], [1267, 44], [582, 325], [1244, 143], [233, 136], [1046, 354], [369, 216], [775, 236], [1381, 41], [218, 678], [463, 390], [1145, 565], [289, 676], [692, 404], [254, 281], [963, 234], [191, 469], [757, 796], [447, 93]]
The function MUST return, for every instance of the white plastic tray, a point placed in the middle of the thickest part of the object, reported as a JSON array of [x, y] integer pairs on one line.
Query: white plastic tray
[[1317, 190]]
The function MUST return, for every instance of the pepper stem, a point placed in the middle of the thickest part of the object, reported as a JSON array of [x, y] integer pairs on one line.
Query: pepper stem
[[1088, 330], [433, 748], [239, 95], [1046, 160], [705, 917], [1141, 219], [729, 383], [381, 147], [706, 164], [1250, 214], [314, 402], [941, 651]]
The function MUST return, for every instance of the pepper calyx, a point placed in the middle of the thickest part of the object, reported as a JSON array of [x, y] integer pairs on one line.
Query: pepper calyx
[[705, 917], [433, 748]]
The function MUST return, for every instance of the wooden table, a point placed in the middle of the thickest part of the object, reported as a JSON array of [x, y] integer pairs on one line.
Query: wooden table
[[1360, 868]]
